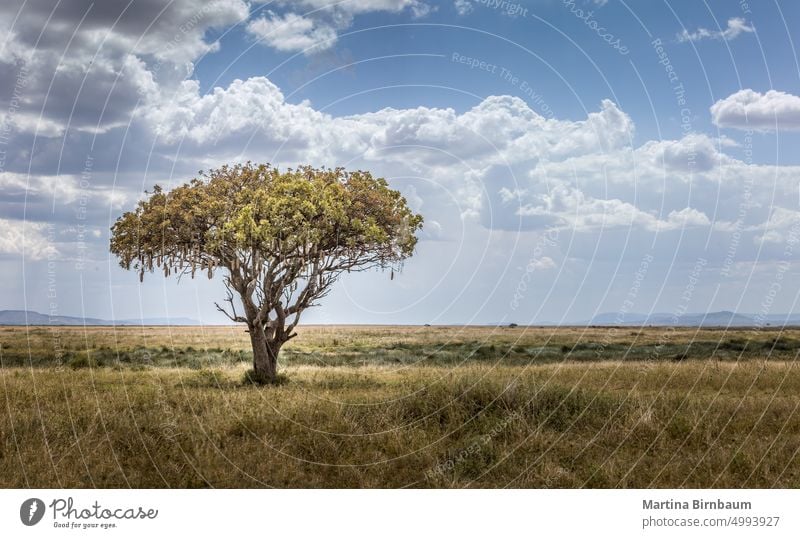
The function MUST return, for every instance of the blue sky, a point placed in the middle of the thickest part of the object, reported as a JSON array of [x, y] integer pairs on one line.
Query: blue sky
[[569, 157]]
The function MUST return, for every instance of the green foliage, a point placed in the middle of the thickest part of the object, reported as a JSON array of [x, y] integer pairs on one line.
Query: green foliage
[[256, 215]]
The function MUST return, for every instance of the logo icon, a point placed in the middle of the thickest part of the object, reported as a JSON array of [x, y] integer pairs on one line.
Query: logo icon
[[31, 511]]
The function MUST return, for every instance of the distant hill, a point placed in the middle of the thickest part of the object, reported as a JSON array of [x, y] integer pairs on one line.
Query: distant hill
[[630, 319], [29, 317], [710, 319]]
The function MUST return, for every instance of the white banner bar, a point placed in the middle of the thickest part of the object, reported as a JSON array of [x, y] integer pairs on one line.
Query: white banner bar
[[400, 513]]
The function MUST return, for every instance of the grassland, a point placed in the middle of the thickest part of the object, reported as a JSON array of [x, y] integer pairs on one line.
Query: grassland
[[401, 407]]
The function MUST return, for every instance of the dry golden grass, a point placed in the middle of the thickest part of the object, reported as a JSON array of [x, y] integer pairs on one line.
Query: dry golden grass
[[519, 408], [322, 336]]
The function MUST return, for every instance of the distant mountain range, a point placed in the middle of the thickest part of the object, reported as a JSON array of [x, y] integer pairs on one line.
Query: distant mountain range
[[630, 319], [710, 319], [664, 319], [29, 317]]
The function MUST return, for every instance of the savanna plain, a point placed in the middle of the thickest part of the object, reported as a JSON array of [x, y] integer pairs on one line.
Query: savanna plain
[[380, 406]]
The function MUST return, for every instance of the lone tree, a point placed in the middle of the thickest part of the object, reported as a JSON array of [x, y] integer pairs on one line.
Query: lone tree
[[281, 238]]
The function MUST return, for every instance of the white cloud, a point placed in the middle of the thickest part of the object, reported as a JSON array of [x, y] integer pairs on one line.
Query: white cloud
[[782, 226], [251, 119], [500, 161], [312, 26], [496, 128], [292, 32], [243, 107], [736, 27], [542, 264], [463, 7], [25, 238], [575, 210], [748, 109], [94, 62], [687, 217], [355, 7], [63, 188]]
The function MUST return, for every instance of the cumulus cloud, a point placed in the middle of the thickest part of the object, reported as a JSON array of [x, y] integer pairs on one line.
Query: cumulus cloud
[[20, 238], [782, 226], [575, 210], [358, 6], [748, 109], [692, 153], [62, 188], [736, 27], [687, 217], [83, 65], [496, 128], [313, 26], [242, 107], [503, 163], [174, 32], [252, 118], [292, 32]]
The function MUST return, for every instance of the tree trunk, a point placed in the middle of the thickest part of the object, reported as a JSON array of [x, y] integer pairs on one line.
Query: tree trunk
[[265, 355]]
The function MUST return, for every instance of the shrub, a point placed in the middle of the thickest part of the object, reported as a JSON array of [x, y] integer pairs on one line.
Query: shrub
[[81, 361]]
